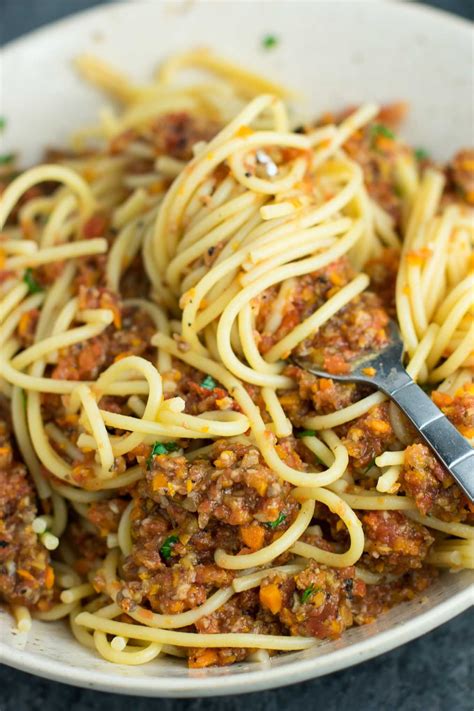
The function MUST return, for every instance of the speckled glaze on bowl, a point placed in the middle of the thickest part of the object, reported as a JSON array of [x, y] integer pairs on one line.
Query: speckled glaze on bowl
[[336, 53]]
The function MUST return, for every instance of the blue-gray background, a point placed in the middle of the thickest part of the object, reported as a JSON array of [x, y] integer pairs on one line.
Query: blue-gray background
[[434, 673]]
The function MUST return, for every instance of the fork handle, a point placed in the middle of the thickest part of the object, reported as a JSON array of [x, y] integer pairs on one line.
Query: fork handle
[[450, 446]]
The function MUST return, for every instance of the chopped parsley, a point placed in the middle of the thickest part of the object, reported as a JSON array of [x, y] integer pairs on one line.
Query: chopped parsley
[[276, 522], [421, 154], [378, 129], [167, 546], [161, 448], [306, 433], [269, 41], [31, 283], [6, 158], [307, 593], [209, 383], [310, 590], [3, 122]]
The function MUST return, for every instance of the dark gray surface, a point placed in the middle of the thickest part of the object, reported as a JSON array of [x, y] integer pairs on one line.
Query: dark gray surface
[[434, 673], [20, 16]]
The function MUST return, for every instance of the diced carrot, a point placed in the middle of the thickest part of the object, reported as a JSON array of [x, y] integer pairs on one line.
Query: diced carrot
[[319, 598], [334, 363], [117, 318], [49, 577], [176, 607], [336, 278], [24, 574], [385, 143], [203, 658], [23, 323], [379, 426], [252, 535], [441, 399], [270, 597], [392, 114], [258, 481]]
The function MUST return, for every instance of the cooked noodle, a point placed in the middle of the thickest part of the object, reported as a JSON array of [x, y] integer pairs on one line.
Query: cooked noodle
[[150, 304]]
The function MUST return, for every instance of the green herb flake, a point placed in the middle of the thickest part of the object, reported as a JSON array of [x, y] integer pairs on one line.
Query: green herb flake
[[306, 433], [3, 123], [31, 283], [269, 41], [161, 448], [421, 154], [309, 592], [378, 129], [167, 546], [209, 383], [274, 524], [6, 158]]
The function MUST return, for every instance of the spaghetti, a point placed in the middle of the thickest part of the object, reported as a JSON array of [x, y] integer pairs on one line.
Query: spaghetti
[[192, 492]]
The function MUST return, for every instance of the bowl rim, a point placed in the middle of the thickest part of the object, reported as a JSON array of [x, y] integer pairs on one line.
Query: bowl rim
[[247, 681], [258, 679], [409, 6]]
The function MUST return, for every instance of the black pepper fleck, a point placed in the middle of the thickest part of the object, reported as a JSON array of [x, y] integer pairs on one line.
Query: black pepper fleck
[[348, 585]]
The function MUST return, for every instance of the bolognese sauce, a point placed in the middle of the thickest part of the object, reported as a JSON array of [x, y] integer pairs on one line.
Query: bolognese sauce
[[207, 448]]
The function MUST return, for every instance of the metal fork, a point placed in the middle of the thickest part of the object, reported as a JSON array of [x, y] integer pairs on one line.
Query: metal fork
[[389, 376]]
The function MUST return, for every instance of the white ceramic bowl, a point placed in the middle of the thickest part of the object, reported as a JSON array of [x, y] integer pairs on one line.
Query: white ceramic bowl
[[338, 53]]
